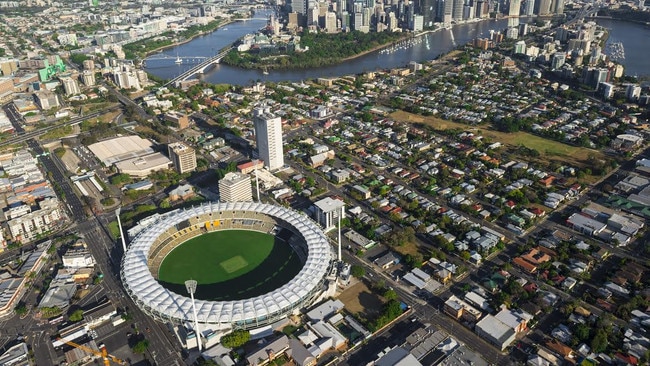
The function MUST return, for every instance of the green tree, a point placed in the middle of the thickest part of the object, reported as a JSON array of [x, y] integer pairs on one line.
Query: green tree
[[141, 346], [465, 255], [236, 338], [358, 271], [120, 179], [582, 332], [165, 204], [76, 316], [390, 294], [599, 342], [21, 309], [208, 362]]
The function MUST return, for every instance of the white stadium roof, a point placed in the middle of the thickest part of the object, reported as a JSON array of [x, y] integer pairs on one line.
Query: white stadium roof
[[165, 304]]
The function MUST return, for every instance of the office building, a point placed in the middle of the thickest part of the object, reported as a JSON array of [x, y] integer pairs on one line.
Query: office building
[[543, 7], [330, 22], [529, 8], [447, 11], [327, 211], [559, 58], [268, 135], [235, 187], [557, 6], [417, 23], [514, 7], [428, 12], [468, 12], [482, 9], [457, 10], [183, 157]]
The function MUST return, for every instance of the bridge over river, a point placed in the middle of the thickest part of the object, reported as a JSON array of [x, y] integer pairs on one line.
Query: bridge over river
[[199, 68]]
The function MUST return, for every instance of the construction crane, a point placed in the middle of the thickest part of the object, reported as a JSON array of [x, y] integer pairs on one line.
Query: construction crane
[[102, 352]]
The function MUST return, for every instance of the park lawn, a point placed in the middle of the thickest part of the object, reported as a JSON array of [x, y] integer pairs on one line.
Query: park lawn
[[547, 148], [216, 257]]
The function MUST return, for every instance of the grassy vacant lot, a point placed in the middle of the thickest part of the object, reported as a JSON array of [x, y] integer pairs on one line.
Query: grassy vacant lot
[[358, 299], [230, 265], [547, 148]]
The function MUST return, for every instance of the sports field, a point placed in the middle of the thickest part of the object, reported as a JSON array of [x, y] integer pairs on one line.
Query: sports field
[[229, 265]]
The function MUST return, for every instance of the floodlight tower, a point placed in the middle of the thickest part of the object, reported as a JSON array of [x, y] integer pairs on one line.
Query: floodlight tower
[[190, 286], [257, 181], [340, 258], [119, 225]]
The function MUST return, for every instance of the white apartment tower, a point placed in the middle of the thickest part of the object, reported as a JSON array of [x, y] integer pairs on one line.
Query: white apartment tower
[[235, 187], [70, 86], [268, 134], [88, 77], [327, 212]]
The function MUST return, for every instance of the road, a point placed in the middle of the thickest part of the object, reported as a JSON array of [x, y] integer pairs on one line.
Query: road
[[429, 312], [108, 254], [22, 135], [164, 348]]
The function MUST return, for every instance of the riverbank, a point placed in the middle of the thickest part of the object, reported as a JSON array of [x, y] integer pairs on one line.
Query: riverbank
[[186, 40], [375, 49], [632, 21], [429, 45], [322, 50]]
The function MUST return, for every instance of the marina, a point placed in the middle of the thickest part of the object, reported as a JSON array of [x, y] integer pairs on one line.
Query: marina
[[615, 51]]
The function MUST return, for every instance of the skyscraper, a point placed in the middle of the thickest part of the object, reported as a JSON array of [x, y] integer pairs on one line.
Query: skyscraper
[[543, 7], [299, 6], [529, 8], [457, 10], [428, 11], [268, 134], [513, 10]]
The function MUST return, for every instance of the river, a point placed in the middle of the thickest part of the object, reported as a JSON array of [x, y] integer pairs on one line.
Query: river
[[427, 47], [635, 38]]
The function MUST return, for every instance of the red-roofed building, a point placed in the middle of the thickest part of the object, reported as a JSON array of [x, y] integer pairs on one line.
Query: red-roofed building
[[525, 265], [548, 181], [628, 359], [530, 287], [537, 211], [246, 168]]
